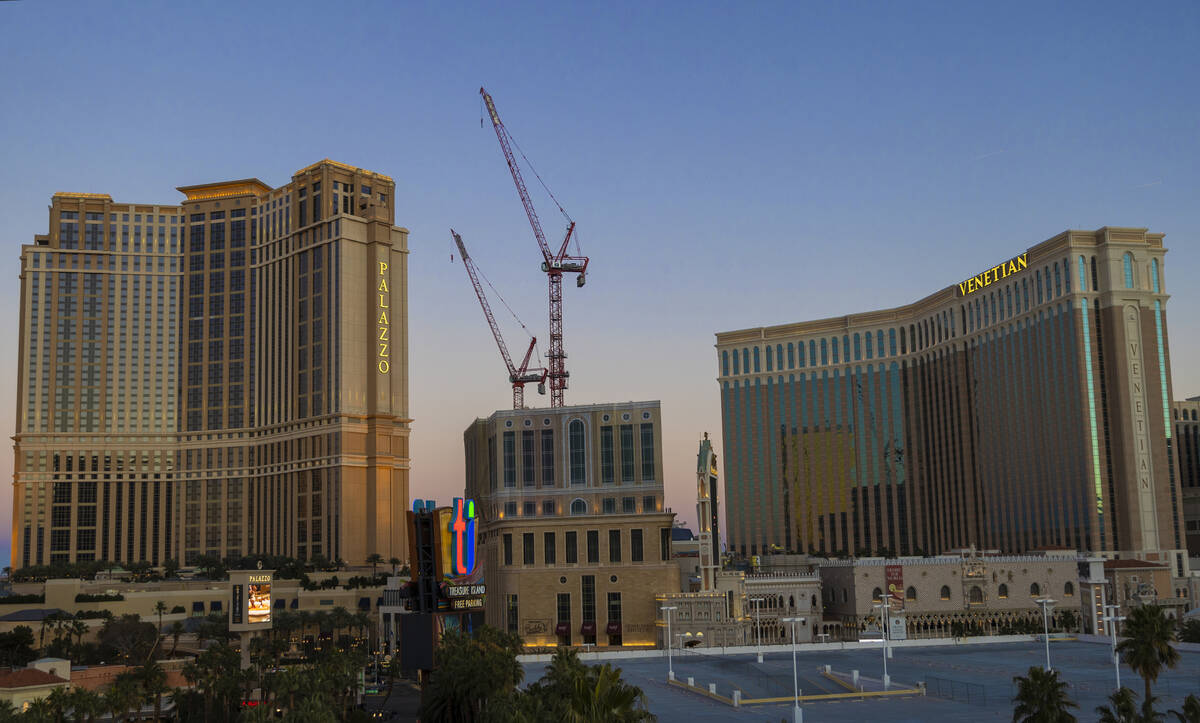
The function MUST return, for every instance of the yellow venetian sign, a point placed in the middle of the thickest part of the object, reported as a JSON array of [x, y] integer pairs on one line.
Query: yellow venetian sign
[[384, 323], [994, 274]]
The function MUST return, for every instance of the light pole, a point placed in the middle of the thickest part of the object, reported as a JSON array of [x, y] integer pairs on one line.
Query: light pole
[[757, 603], [884, 606], [670, 663], [1046, 602], [1111, 618], [797, 715]]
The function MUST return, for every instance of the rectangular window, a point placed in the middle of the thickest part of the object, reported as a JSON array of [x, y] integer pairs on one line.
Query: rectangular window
[[588, 588], [614, 607], [649, 504], [628, 505], [548, 551], [548, 508], [548, 457], [507, 548], [647, 431], [512, 614], [593, 546], [664, 544], [627, 453], [609, 505], [527, 465], [635, 545], [564, 608], [510, 459], [527, 548], [572, 547], [614, 545], [606, 455], [530, 509]]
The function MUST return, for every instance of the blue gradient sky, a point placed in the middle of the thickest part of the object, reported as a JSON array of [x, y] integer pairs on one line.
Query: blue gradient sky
[[729, 165]]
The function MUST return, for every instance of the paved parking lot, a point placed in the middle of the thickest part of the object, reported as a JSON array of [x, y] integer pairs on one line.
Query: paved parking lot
[[967, 683]]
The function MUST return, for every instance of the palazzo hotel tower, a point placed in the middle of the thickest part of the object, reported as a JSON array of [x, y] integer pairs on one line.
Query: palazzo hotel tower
[[1025, 407], [227, 376]]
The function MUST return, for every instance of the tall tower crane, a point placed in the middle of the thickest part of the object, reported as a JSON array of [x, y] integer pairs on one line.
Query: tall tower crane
[[554, 263], [518, 376]]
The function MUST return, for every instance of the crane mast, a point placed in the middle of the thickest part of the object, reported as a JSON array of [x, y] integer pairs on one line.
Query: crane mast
[[554, 264], [518, 376]]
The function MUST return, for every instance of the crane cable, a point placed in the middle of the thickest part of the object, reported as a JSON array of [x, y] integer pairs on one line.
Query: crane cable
[[488, 281]]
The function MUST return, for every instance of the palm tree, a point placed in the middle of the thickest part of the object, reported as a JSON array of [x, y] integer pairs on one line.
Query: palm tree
[[395, 563], [362, 621], [85, 704], [153, 680], [603, 695], [160, 607], [123, 695], [8, 714], [176, 631], [1147, 645], [79, 629], [1042, 698], [374, 559], [1190, 713], [1121, 708], [59, 700]]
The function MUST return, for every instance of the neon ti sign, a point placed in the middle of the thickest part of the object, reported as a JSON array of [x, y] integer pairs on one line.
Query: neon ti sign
[[462, 537]]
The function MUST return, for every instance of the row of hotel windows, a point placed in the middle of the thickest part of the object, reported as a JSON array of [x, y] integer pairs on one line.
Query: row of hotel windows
[[976, 314], [577, 446], [974, 595], [579, 506], [592, 549]]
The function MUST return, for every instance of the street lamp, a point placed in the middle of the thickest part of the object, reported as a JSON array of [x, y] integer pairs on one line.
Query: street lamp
[[884, 606], [1046, 602], [1111, 618], [670, 666], [797, 715], [756, 602]]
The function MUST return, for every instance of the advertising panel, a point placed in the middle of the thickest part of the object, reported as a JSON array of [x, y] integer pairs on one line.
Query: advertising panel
[[250, 599], [895, 586], [897, 627]]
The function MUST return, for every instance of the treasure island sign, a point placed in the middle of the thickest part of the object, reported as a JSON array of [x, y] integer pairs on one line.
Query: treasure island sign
[[994, 274]]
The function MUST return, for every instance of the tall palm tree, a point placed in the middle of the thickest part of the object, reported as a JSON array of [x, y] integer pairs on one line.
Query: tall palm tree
[[1147, 645], [86, 705], [122, 696], [395, 563], [1190, 713], [603, 695], [59, 700], [373, 560], [160, 607], [1042, 698], [177, 630]]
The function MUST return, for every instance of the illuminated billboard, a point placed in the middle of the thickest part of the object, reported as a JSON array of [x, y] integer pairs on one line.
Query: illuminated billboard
[[250, 600]]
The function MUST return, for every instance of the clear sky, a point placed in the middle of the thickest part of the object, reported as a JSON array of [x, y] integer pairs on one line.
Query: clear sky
[[729, 164]]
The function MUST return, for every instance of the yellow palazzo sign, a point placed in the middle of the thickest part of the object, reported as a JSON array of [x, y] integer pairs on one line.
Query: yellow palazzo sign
[[384, 323], [994, 274]]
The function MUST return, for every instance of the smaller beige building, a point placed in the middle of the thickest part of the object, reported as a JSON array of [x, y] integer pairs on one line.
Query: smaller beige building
[[934, 597], [573, 538], [22, 687]]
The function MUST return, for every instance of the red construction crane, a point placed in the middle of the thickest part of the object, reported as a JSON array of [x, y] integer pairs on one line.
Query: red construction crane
[[554, 264], [518, 376]]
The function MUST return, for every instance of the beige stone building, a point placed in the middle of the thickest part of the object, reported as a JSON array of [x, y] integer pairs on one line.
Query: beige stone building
[[573, 537], [1186, 420], [937, 595], [224, 376]]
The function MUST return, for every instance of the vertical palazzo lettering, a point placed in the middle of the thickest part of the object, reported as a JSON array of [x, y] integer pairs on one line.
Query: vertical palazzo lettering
[[384, 324]]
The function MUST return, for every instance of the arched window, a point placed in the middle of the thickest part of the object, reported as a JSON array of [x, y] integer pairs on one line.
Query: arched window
[[845, 597], [1127, 263], [945, 592], [877, 595], [976, 595], [910, 593], [578, 452], [814, 602], [791, 602], [1035, 589], [1069, 589], [578, 507], [1154, 283], [1002, 591], [1083, 274]]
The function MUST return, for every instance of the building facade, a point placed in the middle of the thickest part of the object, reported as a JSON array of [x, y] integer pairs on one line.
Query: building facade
[[1024, 408], [574, 539], [1186, 419], [955, 595], [226, 376]]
